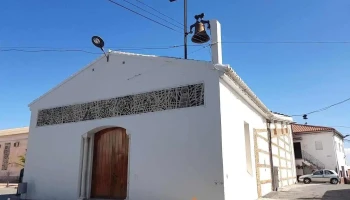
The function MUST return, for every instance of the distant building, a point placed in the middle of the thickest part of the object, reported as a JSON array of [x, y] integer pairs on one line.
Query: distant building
[[318, 147], [13, 144]]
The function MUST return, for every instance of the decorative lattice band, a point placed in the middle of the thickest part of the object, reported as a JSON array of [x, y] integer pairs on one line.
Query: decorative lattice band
[[167, 99]]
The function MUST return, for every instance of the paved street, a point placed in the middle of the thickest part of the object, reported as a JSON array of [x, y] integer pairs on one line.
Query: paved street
[[6, 192], [312, 191], [294, 192]]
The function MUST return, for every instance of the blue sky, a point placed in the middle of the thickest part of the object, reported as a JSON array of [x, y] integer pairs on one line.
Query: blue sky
[[289, 78]]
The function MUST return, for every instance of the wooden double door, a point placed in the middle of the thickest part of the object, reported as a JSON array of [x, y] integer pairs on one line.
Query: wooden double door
[[110, 164]]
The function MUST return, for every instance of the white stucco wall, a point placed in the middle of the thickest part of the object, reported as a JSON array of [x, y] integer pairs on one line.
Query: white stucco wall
[[264, 159], [174, 154], [327, 156], [339, 151], [294, 170], [283, 154], [234, 112]]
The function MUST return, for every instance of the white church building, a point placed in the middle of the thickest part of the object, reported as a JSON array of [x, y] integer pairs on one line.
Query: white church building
[[142, 127]]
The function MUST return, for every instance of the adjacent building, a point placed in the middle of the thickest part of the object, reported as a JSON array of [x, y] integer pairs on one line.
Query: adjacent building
[[13, 145], [318, 147], [148, 127]]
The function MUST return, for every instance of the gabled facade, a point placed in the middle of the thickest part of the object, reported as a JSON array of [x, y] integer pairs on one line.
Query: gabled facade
[[148, 127], [318, 147]]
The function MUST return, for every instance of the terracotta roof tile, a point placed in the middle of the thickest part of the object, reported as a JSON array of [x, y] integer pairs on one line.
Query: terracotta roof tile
[[302, 128], [299, 128]]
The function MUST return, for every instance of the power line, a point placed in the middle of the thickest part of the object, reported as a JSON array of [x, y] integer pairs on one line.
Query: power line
[[287, 42], [152, 14], [199, 49], [160, 47], [341, 126], [49, 50], [118, 4], [323, 109], [159, 12], [148, 17], [56, 49], [115, 47], [42, 49]]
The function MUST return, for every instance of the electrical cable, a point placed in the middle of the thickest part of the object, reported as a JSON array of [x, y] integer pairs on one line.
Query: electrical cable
[[53, 49], [42, 49], [288, 42], [153, 14], [159, 12], [203, 47], [323, 109], [124, 48], [118, 4], [150, 18], [341, 126], [49, 50]]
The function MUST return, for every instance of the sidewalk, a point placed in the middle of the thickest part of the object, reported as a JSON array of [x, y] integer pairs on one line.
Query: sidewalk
[[11, 185], [311, 191], [282, 189]]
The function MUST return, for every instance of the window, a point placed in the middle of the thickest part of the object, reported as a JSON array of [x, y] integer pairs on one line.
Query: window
[[318, 172], [328, 172], [16, 144], [318, 145], [6, 155], [248, 149], [339, 147]]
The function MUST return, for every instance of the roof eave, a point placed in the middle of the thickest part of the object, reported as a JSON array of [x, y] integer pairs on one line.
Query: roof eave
[[14, 131], [232, 78], [103, 57], [66, 80], [339, 134]]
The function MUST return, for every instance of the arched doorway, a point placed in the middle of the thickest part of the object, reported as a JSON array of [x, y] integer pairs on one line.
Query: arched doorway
[[110, 164]]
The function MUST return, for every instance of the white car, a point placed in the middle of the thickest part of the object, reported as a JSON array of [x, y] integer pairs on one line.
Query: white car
[[321, 176]]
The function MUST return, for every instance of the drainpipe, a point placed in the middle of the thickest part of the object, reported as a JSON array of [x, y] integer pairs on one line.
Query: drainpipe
[[268, 123]]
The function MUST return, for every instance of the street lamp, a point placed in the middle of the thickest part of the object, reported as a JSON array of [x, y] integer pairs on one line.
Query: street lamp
[[185, 26], [99, 43]]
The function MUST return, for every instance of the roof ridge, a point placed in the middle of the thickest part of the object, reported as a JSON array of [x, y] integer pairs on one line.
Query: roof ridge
[[17, 128], [314, 126], [14, 131], [120, 53]]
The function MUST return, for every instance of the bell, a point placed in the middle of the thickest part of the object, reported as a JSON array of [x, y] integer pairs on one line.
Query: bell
[[200, 36]]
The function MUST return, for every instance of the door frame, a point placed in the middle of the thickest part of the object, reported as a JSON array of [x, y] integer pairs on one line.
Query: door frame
[[90, 137], [301, 150]]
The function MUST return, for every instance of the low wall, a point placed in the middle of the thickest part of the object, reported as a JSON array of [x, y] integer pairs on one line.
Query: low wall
[[10, 179]]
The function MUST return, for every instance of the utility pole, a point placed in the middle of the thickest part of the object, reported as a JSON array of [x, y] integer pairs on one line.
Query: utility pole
[[185, 27]]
